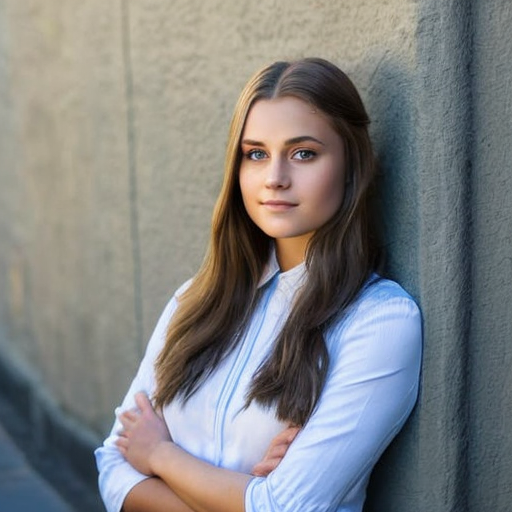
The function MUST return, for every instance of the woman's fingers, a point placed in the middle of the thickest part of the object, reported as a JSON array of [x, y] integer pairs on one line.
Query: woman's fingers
[[127, 419], [129, 416], [265, 467], [285, 437], [276, 451], [122, 443], [143, 402], [272, 459], [291, 433]]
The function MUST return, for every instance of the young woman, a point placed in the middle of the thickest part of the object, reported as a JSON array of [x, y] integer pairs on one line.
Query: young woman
[[277, 376]]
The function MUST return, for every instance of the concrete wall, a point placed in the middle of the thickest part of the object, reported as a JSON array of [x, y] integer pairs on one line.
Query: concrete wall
[[113, 120], [489, 352]]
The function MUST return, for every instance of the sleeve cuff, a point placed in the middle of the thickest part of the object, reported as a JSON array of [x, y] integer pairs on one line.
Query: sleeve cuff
[[115, 481]]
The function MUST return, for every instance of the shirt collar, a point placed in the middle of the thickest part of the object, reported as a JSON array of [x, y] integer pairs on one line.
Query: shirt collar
[[272, 269]]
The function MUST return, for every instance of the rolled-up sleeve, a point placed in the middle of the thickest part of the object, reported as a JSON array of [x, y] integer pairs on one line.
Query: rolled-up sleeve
[[116, 476], [370, 391]]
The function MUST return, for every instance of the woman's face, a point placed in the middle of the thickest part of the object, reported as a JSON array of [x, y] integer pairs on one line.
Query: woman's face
[[292, 171]]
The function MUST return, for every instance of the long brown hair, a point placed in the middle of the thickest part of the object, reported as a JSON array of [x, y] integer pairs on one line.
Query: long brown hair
[[340, 257]]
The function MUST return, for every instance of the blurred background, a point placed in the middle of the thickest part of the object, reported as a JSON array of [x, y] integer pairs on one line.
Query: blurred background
[[113, 123]]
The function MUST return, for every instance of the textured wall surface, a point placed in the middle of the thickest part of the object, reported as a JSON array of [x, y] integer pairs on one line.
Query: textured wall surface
[[455, 453], [67, 270], [490, 347], [113, 121]]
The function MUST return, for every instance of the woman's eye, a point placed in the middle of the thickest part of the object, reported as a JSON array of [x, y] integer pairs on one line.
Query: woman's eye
[[304, 154], [255, 154]]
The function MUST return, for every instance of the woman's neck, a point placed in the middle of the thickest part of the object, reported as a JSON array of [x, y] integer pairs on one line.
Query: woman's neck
[[291, 252]]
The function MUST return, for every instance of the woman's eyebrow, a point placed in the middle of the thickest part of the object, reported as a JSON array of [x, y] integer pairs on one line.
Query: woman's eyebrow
[[250, 142], [303, 138], [289, 142]]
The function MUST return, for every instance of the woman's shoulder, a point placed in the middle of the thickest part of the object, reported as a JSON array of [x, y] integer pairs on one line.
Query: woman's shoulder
[[379, 291], [381, 301], [172, 303], [157, 339], [384, 317], [183, 288]]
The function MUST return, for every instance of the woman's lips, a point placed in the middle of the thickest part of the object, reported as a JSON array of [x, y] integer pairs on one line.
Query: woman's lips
[[278, 205]]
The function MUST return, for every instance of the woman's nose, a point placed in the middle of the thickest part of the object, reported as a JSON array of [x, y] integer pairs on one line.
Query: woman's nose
[[278, 175]]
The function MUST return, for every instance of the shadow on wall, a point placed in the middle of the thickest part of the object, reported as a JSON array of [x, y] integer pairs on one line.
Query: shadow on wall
[[390, 105], [391, 108]]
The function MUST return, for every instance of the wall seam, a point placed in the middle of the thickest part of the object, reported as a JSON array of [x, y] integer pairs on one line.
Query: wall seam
[[131, 140], [463, 476], [470, 234]]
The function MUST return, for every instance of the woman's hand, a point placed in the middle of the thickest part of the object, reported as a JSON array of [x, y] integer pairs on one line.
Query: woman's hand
[[276, 451], [143, 432]]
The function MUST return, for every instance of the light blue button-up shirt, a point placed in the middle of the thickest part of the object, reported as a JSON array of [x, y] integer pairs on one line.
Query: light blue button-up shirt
[[371, 388]]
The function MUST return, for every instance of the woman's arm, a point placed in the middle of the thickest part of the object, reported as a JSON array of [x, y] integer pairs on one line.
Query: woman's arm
[[204, 487], [147, 446], [145, 443], [153, 495], [370, 391]]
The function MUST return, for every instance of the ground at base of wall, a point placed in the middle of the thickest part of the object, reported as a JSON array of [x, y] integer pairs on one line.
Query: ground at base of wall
[[51, 466], [56, 446]]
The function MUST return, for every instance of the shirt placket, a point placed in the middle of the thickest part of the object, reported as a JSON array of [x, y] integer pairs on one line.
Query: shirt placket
[[228, 389]]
